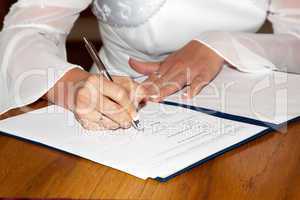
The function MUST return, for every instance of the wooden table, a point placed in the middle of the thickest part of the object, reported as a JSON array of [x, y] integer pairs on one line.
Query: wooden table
[[268, 168]]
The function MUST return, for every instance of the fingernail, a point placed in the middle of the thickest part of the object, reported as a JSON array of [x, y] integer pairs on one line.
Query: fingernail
[[154, 96], [114, 127], [136, 118], [126, 125], [94, 127]]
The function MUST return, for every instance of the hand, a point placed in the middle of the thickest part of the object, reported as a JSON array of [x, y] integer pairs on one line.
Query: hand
[[99, 103], [194, 66]]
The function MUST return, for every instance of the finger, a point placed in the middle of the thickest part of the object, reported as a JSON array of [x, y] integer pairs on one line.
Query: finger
[[113, 100], [167, 65], [152, 90], [195, 88], [139, 95], [137, 91], [109, 124], [149, 84], [165, 68], [114, 112], [169, 77], [173, 80], [98, 118], [91, 126], [156, 80], [93, 116], [144, 67], [87, 96], [171, 86], [120, 95]]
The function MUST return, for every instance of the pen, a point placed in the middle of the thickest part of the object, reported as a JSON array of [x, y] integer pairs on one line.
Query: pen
[[93, 53]]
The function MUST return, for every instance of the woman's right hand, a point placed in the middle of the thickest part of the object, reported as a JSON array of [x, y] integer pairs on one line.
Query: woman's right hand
[[98, 103]]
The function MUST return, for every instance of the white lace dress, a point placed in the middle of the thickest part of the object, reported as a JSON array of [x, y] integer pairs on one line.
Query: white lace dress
[[32, 42]]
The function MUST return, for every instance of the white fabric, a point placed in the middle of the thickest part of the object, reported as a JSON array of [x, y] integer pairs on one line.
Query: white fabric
[[126, 12], [32, 42]]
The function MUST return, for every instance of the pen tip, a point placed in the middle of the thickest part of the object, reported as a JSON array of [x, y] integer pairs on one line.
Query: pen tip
[[137, 125]]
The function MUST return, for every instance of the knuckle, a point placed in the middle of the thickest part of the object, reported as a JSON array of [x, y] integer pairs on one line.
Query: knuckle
[[113, 110], [142, 91], [82, 110], [92, 83], [207, 79], [93, 79], [82, 92], [81, 96], [122, 94], [183, 74], [180, 63], [114, 106], [111, 125], [83, 101], [123, 117], [125, 124], [132, 85], [198, 78], [131, 82]]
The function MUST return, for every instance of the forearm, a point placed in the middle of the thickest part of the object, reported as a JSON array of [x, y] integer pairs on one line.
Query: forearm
[[252, 52], [32, 49]]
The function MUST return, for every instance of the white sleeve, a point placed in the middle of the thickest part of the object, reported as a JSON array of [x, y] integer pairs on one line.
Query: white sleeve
[[32, 48], [253, 52]]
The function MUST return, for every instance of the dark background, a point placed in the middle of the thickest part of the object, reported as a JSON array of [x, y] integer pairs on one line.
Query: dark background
[[86, 25]]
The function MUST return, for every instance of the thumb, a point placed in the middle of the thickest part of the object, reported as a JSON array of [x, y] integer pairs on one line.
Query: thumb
[[145, 68]]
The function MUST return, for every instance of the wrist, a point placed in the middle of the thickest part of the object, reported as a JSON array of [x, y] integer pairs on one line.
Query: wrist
[[210, 52], [64, 91]]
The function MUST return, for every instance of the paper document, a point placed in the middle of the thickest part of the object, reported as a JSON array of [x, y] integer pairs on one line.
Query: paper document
[[173, 138]]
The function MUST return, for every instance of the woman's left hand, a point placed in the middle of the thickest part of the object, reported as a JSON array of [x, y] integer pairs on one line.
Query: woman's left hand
[[194, 66]]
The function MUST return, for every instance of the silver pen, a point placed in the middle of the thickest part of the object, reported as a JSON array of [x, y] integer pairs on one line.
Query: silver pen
[[93, 53]]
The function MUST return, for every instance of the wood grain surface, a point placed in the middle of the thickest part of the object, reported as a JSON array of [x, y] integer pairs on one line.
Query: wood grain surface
[[267, 168]]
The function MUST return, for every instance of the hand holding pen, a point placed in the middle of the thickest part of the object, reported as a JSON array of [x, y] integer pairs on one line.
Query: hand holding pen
[[105, 102]]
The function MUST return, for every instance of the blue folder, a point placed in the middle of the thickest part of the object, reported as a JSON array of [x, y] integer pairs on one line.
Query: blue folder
[[270, 127]]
